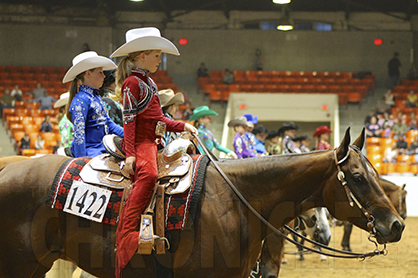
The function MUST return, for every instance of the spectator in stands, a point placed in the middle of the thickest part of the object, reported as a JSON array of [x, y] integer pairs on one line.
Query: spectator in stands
[[385, 120], [24, 143], [394, 69], [389, 98], [322, 132], [17, 93], [39, 143], [46, 125], [107, 92], [249, 136], [288, 130], [260, 134], [401, 144], [85, 108], [387, 131], [170, 102], [240, 142], [373, 129], [411, 99], [202, 71], [399, 128], [258, 60], [413, 148], [188, 112], [38, 92], [6, 101], [273, 143], [390, 154], [202, 117], [412, 125], [228, 77], [368, 118], [45, 101], [65, 127]]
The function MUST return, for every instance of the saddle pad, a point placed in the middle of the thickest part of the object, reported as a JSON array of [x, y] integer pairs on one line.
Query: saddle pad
[[181, 208], [68, 172]]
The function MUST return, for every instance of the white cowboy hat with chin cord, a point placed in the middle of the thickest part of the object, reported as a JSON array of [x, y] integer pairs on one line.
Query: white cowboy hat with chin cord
[[86, 61], [147, 38]]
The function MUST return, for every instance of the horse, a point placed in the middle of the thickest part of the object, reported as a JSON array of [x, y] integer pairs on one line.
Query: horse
[[226, 235], [397, 194], [10, 159]]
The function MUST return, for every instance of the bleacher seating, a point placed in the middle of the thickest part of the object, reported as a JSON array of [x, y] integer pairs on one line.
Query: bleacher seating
[[346, 84]]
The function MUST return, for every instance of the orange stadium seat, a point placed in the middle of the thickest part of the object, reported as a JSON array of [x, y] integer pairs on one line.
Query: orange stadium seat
[[215, 96], [28, 152], [402, 167]]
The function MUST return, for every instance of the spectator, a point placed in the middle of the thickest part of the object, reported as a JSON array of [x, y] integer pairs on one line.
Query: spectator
[[46, 125], [273, 143], [368, 118], [240, 141], [385, 120], [413, 148], [412, 124], [390, 154], [387, 132], [258, 60], [188, 112], [322, 132], [411, 99], [373, 129], [412, 116], [401, 144], [6, 101], [249, 136], [39, 143], [38, 92], [394, 69], [304, 146], [289, 131], [399, 128], [260, 134], [202, 71], [24, 143], [45, 101], [228, 77], [17, 93], [389, 98]]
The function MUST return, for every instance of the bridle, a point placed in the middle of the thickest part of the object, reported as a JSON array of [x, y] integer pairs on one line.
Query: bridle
[[346, 254]]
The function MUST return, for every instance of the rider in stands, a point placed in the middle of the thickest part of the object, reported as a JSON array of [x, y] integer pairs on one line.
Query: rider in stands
[[288, 130], [322, 132], [144, 125]]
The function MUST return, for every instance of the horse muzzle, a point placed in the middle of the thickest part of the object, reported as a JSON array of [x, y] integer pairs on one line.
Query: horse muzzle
[[392, 232]]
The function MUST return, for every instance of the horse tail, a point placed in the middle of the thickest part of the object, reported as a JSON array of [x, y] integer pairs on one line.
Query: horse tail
[[4, 161]]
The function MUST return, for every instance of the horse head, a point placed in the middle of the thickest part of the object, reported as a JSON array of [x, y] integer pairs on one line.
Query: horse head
[[354, 193], [322, 232]]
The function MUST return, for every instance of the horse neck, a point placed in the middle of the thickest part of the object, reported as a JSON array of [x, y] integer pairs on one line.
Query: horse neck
[[389, 187], [295, 179]]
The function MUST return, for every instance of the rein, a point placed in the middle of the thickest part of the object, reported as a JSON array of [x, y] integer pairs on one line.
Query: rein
[[348, 255]]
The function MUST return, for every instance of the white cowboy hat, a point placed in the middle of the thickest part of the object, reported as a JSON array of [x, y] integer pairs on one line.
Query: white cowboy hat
[[148, 38], [63, 100], [168, 97], [86, 61]]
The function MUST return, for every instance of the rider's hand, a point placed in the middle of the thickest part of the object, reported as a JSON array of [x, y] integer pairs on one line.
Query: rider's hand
[[188, 127], [130, 165], [233, 155]]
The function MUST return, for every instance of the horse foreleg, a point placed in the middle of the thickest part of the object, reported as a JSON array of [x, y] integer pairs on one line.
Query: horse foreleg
[[345, 243], [271, 256]]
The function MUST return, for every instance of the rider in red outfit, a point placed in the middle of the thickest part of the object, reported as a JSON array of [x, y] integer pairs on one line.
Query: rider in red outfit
[[142, 114], [322, 132]]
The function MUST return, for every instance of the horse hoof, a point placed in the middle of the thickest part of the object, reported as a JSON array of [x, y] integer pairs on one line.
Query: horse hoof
[[323, 258], [301, 259], [285, 262]]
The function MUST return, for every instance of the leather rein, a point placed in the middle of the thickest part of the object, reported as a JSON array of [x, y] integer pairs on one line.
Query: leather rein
[[350, 196]]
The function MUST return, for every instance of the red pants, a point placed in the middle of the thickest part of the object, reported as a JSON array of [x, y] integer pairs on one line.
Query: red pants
[[127, 234]]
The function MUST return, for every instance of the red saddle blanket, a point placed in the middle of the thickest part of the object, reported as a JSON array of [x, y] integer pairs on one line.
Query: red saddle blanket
[[180, 208]]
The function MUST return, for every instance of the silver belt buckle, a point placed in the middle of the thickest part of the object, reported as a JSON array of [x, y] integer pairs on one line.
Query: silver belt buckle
[[160, 129]]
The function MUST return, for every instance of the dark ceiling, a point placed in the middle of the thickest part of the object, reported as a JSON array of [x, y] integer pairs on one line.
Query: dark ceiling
[[407, 7]]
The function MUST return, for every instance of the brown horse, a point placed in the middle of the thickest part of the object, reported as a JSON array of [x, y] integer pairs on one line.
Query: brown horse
[[397, 194], [10, 159], [226, 237]]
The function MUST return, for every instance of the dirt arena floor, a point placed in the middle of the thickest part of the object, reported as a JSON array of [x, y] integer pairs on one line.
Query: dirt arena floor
[[401, 261]]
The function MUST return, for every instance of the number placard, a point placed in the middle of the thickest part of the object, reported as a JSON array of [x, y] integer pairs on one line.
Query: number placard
[[87, 201]]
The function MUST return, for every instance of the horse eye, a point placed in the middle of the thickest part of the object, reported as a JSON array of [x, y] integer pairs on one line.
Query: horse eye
[[357, 179]]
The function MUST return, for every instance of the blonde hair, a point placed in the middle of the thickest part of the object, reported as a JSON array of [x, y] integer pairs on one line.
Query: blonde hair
[[124, 70]]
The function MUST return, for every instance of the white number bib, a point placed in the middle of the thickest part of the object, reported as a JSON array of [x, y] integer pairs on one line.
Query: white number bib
[[87, 201]]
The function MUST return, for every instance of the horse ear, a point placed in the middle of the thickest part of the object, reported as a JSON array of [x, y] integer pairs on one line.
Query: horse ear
[[345, 143], [403, 186], [360, 140]]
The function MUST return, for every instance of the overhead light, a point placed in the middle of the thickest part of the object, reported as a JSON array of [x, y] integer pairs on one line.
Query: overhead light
[[282, 2], [285, 27], [137, 0]]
